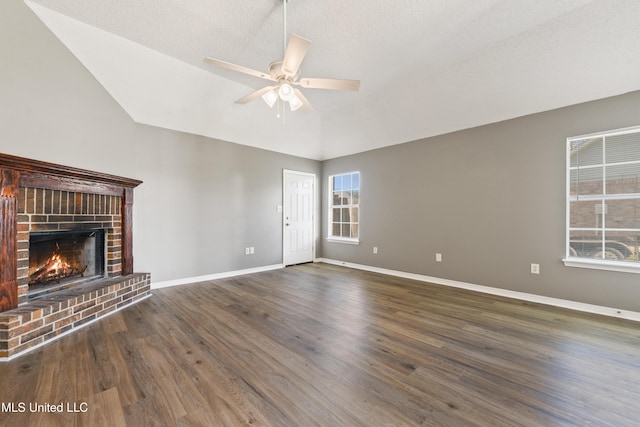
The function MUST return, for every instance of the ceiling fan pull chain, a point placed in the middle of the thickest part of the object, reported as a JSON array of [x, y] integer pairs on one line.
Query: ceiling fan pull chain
[[284, 113]]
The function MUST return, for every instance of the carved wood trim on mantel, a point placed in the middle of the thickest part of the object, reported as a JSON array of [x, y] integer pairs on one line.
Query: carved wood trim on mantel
[[57, 177], [9, 180], [22, 172]]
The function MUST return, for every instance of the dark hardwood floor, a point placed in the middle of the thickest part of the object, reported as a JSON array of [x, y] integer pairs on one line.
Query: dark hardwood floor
[[320, 345]]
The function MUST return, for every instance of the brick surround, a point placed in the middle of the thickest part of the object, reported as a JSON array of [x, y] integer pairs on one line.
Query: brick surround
[[55, 210]]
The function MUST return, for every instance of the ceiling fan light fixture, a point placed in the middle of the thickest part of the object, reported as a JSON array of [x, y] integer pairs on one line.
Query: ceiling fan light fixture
[[285, 92], [295, 103], [270, 98]]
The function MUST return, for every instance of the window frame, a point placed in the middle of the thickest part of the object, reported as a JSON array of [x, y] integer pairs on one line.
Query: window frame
[[331, 206], [597, 263]]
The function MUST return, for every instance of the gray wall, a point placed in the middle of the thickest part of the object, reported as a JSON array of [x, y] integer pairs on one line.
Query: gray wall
[[202, 201], [490, 199]]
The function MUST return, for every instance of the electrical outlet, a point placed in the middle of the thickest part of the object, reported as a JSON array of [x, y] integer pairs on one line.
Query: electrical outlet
[[375, 249], [252, 250], [246, 251], [535, 268], [438, 257]]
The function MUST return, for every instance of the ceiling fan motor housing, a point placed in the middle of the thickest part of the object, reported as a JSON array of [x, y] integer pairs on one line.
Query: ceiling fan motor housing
[[275, 70]]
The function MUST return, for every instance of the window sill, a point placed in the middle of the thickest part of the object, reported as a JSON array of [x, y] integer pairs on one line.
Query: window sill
[[624, 267], [345, 241]]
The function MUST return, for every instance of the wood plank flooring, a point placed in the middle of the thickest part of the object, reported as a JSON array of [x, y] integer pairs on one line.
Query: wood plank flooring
[[321, 345]]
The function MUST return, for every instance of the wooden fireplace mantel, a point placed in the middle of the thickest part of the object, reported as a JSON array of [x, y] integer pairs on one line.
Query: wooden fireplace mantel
[[16, 172], [36, 173]]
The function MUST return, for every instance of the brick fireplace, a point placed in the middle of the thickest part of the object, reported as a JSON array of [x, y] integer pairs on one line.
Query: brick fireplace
[[44, 205], [42, 211]]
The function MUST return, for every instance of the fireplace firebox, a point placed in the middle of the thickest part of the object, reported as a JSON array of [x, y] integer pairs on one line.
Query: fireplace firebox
[[61, 259]]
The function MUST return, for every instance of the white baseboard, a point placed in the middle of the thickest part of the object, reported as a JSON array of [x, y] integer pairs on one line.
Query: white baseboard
[[188, 280], [573, 305]]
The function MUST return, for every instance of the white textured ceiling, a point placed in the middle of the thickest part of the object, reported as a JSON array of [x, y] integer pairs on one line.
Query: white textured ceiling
[[427, 67]]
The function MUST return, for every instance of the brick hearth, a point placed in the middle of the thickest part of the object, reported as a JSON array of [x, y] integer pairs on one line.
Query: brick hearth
[[46, 318]]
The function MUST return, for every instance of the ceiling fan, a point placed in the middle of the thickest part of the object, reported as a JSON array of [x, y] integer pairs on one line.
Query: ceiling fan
[[286, 74]]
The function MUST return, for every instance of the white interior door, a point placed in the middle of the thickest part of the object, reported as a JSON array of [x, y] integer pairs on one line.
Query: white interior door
[[298, 241]]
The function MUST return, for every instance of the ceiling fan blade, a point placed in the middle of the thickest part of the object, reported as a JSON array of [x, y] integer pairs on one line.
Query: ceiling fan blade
[[254, 95], [334, 84], [239, 68], [293, 56], [306, 105]]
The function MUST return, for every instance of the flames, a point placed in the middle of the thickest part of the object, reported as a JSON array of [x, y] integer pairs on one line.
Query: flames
[[56, 265], [55, 268]]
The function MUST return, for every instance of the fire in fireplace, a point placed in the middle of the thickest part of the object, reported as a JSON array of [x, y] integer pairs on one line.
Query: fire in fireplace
[[61, 259]]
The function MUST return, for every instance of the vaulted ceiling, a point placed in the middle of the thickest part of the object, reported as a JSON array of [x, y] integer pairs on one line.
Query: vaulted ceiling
[[427, 67]]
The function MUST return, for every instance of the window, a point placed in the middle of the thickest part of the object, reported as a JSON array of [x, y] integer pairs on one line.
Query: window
[[344, 207], [603, 200]]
